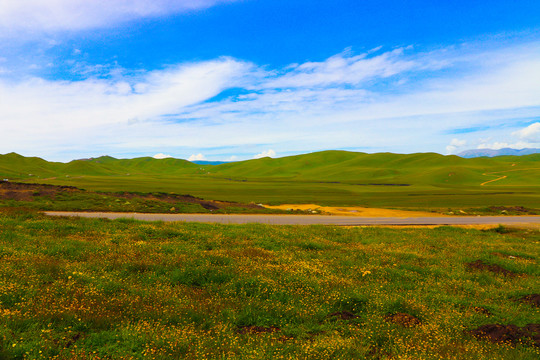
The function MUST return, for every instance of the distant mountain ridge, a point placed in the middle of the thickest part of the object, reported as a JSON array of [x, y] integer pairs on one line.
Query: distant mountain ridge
[[500, 152]]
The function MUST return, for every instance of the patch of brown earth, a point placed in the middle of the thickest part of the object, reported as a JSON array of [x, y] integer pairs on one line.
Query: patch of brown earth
[[512, 334], [25, 192], [174, 198], [73, 339], [377, 353], [482, 310], [483, 266], [343, 315], [253, 329], [403, 319], [519, 210], [532, 299]]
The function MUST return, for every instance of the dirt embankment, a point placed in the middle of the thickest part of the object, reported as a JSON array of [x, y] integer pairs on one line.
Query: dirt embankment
[[29, 192], [174, 198]]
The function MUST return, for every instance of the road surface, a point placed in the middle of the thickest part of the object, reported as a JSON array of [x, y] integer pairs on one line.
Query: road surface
[[310, 219]]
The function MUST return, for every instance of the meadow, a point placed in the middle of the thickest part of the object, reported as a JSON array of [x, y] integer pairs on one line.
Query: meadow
[[100, 289], [62, 198], [423, 181]]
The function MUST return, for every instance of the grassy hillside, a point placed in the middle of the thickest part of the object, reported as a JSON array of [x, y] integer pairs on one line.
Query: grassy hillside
[[423, 168], [96, 289], [19, 167], [423, 180]]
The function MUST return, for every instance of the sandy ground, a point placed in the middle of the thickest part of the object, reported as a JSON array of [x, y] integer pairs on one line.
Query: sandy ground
[[354, 211]]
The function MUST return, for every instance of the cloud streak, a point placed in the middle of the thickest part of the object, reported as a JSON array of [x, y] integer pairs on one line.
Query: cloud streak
[[61, 15]]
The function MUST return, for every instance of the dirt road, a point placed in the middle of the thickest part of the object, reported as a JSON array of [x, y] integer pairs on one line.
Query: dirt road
[[311, 219]]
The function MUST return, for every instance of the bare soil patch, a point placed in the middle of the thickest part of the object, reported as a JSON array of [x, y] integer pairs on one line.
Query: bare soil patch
[[174, 198], [483, 266], [532, 299], [343, 315], [253, 329], [482, 310], [403, 319], [376, 353], [512, 334], [26, 192], [517, 210]]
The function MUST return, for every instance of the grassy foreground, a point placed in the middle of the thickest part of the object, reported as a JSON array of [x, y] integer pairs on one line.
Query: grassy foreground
[[98, 289]]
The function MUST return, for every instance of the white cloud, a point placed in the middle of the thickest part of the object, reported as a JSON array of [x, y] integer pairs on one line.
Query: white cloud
[[454, 145], [197, 157], [390, 102], [529, 138], [343, 69], [502, 145], [37, 112], [265, 153], [53, 15], [161, 156], [458, 143], [232, 158], [530, 133]]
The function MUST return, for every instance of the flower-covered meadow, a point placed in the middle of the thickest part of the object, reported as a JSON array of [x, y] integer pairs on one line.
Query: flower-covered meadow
[[100, 289]]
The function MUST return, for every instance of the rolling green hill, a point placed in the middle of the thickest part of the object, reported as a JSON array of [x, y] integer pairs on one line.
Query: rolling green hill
[[348, 167], [19, 167], [421, 180]]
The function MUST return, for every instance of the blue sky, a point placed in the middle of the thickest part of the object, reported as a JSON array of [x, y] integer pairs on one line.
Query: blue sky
[[228, 80]]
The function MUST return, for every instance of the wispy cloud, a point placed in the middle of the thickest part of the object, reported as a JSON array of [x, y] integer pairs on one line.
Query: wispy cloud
[[194, 157], [265, 153], [503, 145], [398, 100], [161, 156], [343, 69], [54, 15]]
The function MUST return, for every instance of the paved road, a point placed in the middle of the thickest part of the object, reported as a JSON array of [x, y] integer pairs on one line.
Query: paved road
[[311, 219]]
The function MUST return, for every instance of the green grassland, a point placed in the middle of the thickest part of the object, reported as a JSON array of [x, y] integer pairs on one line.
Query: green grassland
[[417, 181], [62, 198], [100, 289]]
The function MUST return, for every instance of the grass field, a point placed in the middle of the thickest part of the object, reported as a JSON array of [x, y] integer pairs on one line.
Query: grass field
[[51, 197], [414, 181], [97, 289]]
